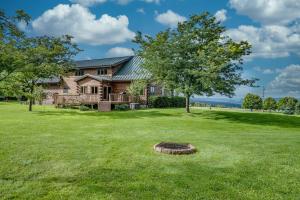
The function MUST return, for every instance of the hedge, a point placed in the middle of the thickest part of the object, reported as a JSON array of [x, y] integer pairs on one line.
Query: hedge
[[166, 102]]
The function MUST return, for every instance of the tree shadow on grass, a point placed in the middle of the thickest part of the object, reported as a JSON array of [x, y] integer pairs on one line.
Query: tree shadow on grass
[[112, 115], [267, 119], [124, 183]]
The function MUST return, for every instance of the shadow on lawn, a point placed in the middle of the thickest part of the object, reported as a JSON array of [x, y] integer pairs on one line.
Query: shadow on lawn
[[267, 119], [123, 183], [112, 115]]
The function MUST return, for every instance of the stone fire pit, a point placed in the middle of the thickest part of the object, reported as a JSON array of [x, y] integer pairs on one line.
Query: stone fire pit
[[174, 148]]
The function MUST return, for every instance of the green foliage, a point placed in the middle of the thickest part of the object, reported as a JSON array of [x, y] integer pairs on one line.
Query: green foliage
[[297, 108], [121, 107], [84, 108], [44, 57], [136, 88], [195, 58], [270, 104], [287, 105], [11, 43], [252, 101], [166, 102]]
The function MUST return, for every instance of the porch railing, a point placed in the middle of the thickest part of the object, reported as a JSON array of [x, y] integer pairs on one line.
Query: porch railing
[[113, 97], [78, 99]]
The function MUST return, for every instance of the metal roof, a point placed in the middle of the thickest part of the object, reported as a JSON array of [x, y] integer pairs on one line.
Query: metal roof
[[104, 62], [52, 80], [99, 78], [132, 70]]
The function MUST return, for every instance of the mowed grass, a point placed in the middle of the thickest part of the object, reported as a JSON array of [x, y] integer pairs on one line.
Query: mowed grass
[[67, 154]]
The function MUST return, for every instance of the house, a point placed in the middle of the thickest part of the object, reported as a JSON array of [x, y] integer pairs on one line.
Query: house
[[101, 82]]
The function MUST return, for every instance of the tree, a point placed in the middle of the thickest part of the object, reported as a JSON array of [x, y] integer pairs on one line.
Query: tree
[[252, 101], [297, 108], [45, 57], [287, 105], [270, 104], [195, 58], [11, 43], [136, 88]]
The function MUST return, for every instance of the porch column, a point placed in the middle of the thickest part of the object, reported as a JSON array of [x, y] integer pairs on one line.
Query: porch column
[[101, 90]]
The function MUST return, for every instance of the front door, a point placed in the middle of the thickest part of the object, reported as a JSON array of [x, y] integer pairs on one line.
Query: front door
[[106, 92]]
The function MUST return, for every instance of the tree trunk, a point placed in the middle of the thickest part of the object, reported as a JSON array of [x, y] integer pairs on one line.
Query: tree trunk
[[30, 105], [187, 103]]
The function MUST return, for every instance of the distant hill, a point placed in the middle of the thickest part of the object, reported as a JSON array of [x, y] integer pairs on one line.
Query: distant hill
[[226, 102]]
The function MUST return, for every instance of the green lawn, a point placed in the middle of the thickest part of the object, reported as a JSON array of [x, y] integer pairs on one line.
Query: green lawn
[[67, 154]]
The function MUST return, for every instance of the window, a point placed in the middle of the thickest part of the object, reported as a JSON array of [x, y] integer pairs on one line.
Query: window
[[102, 71], [94, 89], [79, 72], [152, 90], [65, 90], [83, 89]]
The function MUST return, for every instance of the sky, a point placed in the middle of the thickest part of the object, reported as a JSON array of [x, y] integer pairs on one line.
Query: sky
[[105, 28]]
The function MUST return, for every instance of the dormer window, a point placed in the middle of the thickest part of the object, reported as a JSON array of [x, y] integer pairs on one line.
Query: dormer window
[[102, 71], [79, 72]]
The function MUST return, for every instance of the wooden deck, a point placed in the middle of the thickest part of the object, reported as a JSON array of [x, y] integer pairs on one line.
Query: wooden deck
[[61, 100]]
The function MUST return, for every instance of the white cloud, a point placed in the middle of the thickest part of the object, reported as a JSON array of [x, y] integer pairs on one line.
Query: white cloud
[[141, 10], [268, 11], [124, 2], [169, 18], [287, 82], [221, 15], [152, 1], [88, 2], [119, 51], [79, 22], [265, 70], [272, 41]]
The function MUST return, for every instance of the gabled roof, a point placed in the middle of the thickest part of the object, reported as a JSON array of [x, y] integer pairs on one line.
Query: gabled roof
[[104, 62], [98, 78], [132, 70]]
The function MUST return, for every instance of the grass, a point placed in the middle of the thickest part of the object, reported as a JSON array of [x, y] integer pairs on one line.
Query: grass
[[67, 154]]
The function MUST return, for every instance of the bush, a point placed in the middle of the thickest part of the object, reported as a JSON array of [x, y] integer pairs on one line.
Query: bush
[[166, 102], [252, 101], [84, 108], [122, 107]]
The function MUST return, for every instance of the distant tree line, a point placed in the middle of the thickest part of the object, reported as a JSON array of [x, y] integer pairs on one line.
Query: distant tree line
[[287, 105]]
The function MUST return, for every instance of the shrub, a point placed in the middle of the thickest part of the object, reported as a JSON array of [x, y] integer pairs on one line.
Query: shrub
[[166, 102], [121, 107], [287, 105], [270, 104], [252, 101], [84, 108]]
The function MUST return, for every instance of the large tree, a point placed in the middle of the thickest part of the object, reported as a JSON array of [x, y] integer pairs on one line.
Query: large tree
[[195, 58], [45, 57], [11, 42], [269, 104], [252, 101]]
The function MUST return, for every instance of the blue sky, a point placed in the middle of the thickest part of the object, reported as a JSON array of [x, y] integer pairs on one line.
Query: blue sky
[[104, 28]]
